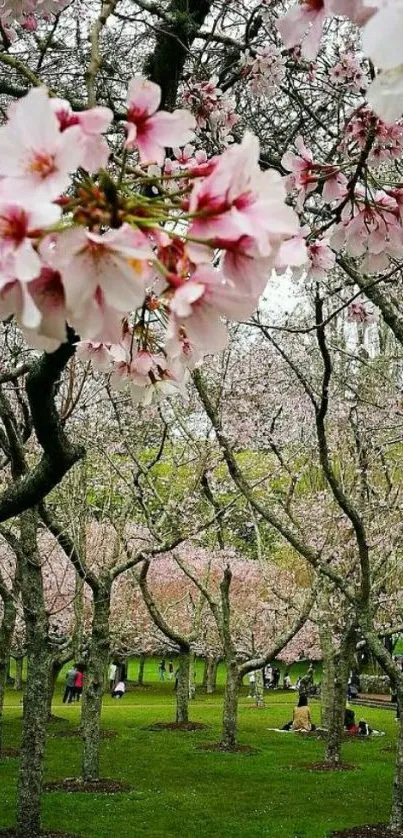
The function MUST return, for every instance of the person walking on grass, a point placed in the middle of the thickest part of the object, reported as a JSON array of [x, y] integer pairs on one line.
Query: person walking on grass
[[78, 684], [70, 682], [162, 670]]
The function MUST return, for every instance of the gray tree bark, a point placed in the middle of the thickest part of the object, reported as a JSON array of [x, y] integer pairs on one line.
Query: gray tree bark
[[54, 672], [212, 676], [6, 634], [19, 663], [259, 691], [230, 709], [336, 716], [94, 683], [140, 677], [192, 674], [182, 689], [35, 698], [211, 684], [328, 672], [205, 671], [396, 819]]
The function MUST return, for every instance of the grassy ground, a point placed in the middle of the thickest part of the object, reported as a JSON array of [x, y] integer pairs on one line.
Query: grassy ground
[[178, 791]]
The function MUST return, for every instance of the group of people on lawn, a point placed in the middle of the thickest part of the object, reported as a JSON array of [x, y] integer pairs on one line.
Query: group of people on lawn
[[75, 682]]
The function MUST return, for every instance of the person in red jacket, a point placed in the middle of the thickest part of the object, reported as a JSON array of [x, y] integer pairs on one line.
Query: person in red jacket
[[78, 685]]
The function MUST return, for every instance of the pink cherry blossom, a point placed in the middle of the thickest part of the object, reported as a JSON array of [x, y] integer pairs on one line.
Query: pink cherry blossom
[[304, 23], [371, 229], [358, 313], [321, 260], [306, 175], [18, 223], [300, 165], [237, 199], [152, 132], [33, 152], [198, 304], [243, 265], [116, 262], [147, 377], [48, 297], [98, 353], [348, 72], [179, 349], [213, 109], [93, 123], [292, 252]]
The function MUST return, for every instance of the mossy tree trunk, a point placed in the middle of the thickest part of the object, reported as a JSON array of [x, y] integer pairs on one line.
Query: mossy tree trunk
[[328, 673], [36, 691], [182, 687], [94, 681], [211, 675], [54, 672], [19, 665], [205, 671], [211, 685], [396, 820], [192, 676], [6, 634], [140, 677], [338, 706], [259, 692], [230, 708]]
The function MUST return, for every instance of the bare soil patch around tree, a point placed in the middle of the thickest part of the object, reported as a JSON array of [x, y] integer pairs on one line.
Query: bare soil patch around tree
[[219, 748], [379, 830], [327, 766], [11, 834], [77, 784], [178, 726], [9, 753]]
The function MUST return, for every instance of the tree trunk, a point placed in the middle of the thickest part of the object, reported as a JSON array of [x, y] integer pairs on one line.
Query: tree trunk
[[54, 673], [6, 634], [94, 683], [140, 678], [328, 673], [336, 715], [19, 663], [211, 671], [205, 671], [35, 698], [230, 709], [182, 687], [33, 742], [396, 819], [78, 633], [192, 674], [259, 691]]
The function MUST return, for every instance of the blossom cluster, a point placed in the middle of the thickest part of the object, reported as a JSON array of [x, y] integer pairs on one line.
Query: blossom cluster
[[387, 143], [348, 73], [264, 71], [382, 40], [26, 13], [144, 281], [214, 111]]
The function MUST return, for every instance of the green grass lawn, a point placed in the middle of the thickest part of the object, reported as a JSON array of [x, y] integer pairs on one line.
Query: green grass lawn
[[181, 792]]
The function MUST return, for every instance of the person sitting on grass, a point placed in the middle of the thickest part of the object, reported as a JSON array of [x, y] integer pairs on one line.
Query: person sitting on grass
[[349, 722], [301, 718], [119, 690]]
